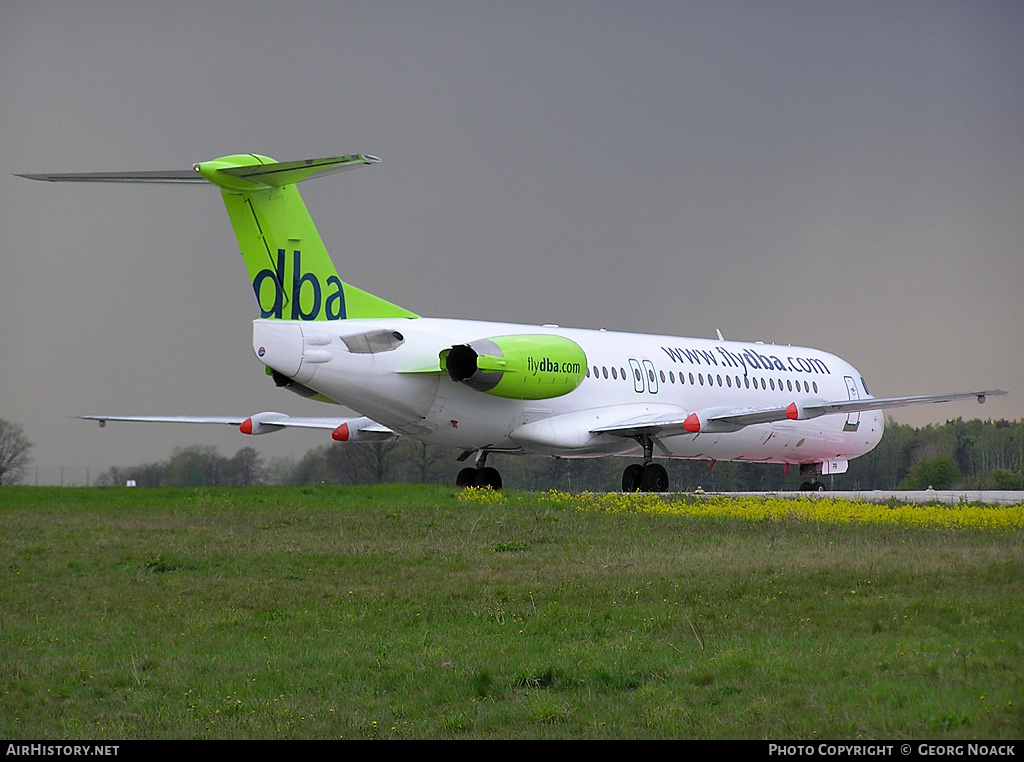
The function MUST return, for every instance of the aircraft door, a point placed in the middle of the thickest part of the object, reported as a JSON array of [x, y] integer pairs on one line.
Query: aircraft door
[[853, 419], [645, 378], [638, 376], [652, 377]]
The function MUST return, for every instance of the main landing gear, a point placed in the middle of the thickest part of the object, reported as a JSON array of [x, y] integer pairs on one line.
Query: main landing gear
[[812, 470], [480, 475], [812, 486], [649, 477]]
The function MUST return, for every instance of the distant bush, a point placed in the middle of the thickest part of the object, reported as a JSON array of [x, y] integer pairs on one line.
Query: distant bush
[[939, 472], [1007, 479]]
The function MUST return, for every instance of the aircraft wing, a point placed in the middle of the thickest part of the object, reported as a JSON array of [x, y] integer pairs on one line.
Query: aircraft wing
[[886, 403], [343, 429], [720, 419], [662, 422], [675, 422], [224, 419]]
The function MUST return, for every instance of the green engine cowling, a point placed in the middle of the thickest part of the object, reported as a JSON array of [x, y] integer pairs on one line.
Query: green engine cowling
[[526, 367]]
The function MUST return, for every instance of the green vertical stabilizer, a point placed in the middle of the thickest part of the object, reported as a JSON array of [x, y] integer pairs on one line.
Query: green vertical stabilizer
[[291, 271]]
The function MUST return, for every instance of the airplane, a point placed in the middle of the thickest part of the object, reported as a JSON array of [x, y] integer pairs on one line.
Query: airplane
[[496, 388]]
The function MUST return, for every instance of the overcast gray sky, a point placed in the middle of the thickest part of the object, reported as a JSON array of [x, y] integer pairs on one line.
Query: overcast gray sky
[[847, 176]]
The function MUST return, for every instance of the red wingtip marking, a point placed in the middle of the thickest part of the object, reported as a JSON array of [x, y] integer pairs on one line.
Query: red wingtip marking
[[791, 412], [246, 427], [341, 434], [692, 423]]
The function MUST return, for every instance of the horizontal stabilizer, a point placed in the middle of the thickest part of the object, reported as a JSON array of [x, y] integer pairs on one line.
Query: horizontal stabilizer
[[280, 173], [172, 176], [254, 170]]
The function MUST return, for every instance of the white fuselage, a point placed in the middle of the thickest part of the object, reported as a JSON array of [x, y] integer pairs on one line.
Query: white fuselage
[[627, 375]]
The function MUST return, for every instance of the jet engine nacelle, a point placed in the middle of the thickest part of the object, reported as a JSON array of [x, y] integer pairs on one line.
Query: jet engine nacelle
[[526, 367]]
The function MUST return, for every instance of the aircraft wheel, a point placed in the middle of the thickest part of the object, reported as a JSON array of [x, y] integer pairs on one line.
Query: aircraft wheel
[[654, 478], [466, 478], [489, 477], [818, 486], [805, 486], [632, 478]]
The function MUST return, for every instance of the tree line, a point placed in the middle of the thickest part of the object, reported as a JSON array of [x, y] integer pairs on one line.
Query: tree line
[[969, 454]]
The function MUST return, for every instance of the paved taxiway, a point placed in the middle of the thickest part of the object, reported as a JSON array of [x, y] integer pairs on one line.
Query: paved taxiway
[[953, 496]]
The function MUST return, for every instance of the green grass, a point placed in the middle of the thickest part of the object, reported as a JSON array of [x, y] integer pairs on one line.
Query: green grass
[[409, 612]]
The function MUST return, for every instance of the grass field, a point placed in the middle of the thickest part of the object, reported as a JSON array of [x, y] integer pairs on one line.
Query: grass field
[[427, 612]]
